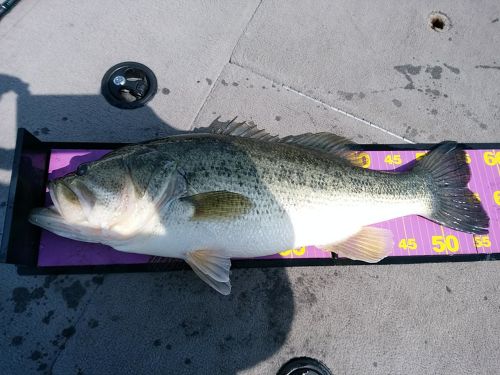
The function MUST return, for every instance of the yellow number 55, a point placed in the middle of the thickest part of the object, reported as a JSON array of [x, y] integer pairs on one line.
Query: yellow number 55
[[482, 241]]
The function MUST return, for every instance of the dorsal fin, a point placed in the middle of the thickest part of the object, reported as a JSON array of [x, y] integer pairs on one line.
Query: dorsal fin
[[237, 129], [325, 142]]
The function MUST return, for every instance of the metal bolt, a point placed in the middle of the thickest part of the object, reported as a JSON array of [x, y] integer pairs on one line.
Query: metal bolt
[[119, 80]]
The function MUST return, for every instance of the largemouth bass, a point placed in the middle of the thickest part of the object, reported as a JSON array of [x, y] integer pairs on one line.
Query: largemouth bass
[[232, 190]]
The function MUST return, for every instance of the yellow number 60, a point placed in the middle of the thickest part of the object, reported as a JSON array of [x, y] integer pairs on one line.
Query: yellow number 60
[[496, 197], [491, 158]]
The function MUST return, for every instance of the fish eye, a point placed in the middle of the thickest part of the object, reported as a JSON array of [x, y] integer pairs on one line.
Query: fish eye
[[82, 169]]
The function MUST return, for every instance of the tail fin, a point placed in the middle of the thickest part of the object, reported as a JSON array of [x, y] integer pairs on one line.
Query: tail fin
[[454, 205]]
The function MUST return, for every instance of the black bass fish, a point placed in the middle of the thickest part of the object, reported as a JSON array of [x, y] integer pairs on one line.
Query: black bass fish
[[232, 190]]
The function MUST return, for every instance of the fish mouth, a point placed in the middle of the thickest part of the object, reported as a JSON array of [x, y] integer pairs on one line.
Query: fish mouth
[[66, 216], [52, 216], [44, 216], [50, 219], [53, 197], [75, 195]]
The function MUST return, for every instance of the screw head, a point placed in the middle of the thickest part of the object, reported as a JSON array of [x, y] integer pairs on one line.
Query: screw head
[[119, 80]]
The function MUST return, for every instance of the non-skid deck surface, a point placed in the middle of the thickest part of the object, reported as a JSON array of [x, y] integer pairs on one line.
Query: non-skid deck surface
[[413, 235]]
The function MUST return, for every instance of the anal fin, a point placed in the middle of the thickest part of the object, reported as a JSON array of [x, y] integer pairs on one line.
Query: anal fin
[[369, 245], [213, 268]]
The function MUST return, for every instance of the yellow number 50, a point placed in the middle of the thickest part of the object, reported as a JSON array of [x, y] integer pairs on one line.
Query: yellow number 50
[[419, 155], [443, 243], [361, 159]]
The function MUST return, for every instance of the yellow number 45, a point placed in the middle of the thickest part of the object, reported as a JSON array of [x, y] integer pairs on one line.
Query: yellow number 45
[[409, 244], [393, 159], [443, 243]]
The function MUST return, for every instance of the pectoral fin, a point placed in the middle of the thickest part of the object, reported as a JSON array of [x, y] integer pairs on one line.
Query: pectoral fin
[[370, 245], [212, 268], [218, 205]]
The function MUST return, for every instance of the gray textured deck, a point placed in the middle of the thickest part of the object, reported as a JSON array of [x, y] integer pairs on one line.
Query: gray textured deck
[[373, 71]]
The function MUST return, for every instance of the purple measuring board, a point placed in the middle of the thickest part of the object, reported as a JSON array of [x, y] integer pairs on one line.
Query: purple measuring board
[[486, 183], [413, 235]]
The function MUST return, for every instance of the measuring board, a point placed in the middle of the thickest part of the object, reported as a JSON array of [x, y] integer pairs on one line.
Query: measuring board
[[413, 235]]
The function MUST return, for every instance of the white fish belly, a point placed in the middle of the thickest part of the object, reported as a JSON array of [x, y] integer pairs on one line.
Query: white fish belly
[[235, 238], [318, 225], [333, 223]]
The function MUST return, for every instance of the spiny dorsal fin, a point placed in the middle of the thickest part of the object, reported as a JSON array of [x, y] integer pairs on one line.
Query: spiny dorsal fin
[[238, 129], [218, 205], [325, 142]]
